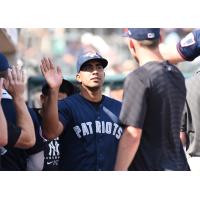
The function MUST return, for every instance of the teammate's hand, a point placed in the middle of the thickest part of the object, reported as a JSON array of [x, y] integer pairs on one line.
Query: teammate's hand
[[15, 83], [52, 75]]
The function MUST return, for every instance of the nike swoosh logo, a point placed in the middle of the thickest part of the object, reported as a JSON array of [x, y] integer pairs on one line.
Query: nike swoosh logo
[[48, 163]]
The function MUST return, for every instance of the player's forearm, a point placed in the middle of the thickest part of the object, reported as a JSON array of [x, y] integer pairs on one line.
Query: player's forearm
[[183, 138], [3, 128], [24, 121], [127, 149], [50, 116], [170, 53]]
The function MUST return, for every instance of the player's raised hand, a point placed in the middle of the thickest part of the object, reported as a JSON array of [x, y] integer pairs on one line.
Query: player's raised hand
[[15, 84], [52, 74]]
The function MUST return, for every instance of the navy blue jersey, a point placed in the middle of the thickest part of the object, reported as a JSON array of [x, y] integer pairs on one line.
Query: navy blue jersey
[[51, 151], [15, 158], [189, 46], [91, 135]]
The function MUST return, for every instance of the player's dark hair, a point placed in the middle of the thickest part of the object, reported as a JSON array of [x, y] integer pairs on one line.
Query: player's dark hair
[[66, 87]]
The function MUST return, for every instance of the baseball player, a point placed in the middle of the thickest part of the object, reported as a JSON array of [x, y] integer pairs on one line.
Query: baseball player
[[187, 49], [22, 126], [13, 81], [48, 158], [154, 97], [88, 121]]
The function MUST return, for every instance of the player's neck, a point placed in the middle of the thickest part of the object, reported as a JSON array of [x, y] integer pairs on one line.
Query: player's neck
[[149, 56], [91, 95]]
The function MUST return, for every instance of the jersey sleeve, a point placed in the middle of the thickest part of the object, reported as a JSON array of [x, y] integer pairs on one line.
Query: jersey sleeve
[[39, 144], [134, 102], [64, 112], [13, 134], [184, 121], [189, 46]]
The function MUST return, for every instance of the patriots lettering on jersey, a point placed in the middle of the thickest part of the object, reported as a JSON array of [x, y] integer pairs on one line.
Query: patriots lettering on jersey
[[100, 127], [188, 40]]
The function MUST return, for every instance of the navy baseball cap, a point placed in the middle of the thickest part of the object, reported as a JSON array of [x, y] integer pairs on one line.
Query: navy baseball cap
[[88, 56], [143, 33], [4, 65]]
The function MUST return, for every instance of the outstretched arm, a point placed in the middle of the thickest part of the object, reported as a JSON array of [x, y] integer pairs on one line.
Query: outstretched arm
[[3, 125], [187, 49], [15, 85], [128, 147], [52, 127], [170, 53]]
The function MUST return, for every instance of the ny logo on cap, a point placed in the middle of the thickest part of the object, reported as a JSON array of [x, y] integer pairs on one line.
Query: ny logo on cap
[[90, 54], [150, 35]]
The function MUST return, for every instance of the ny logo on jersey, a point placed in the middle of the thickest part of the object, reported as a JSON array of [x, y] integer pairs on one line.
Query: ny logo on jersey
[[54, 148]]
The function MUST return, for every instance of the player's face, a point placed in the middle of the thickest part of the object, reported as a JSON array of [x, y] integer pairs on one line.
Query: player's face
[[91, 75]]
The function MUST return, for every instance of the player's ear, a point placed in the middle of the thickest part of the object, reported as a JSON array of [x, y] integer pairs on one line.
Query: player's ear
[[131, 47], [42, 99], [161, 40], [78, 78], [131, 44]]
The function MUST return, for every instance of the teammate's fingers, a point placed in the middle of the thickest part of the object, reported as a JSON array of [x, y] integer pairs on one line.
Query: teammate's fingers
[[22, 75], [18, 73], [13, 74], [47, 64], [10, 76], [43, 66], [51, 63], [1, 83], [59, 71], [6, 83], [43, 69]]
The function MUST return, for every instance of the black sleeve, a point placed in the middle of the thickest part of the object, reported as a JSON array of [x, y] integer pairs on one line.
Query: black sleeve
[[13, 134], [134, 101], [189, 46], [39, 144], [184, 121]]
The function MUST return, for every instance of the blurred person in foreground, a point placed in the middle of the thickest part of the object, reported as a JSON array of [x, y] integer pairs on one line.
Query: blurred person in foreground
[[20, 120], [154, 97], [19, 133]]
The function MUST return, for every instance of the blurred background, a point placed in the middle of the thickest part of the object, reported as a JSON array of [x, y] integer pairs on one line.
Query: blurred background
[[26, 47]]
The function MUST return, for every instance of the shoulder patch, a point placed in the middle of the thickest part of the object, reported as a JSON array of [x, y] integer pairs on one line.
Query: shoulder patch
[[188, 40]]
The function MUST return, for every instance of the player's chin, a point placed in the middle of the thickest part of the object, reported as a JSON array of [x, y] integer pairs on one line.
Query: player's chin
[[96, 82], [95, 86]]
